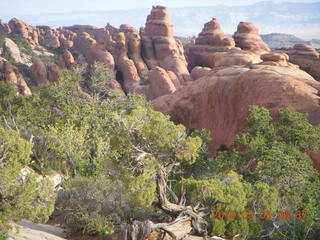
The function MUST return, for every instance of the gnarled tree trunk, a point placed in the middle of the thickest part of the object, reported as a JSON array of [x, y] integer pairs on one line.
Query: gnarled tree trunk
[[189, 222]]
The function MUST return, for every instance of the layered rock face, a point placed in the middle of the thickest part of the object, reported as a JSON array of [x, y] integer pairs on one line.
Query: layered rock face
[[247, 38], [213, 35], [159, 47], [213, 48], [146, 62], [219, 101], [7, 74], [306, 57], [117, 44], [150, 62]]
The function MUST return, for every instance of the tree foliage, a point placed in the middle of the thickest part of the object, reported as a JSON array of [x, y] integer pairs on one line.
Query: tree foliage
[[22, 195], [119, 140], [111, 146], [276, 153]]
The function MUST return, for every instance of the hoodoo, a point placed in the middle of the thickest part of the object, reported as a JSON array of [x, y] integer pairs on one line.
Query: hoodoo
[[247, 38]]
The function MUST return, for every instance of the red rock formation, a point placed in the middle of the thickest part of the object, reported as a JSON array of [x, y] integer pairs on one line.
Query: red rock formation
[[43, 73], [125, 45], [199, 72], [133, 42], [116, 44], [48, 37], [98, 34], [219, 101], [19, 27], [92, 50], [66, 60], [306, 57], [160, 47], [213, 48], [305, 50], [66, 38], [247, 38], [12, 49], [160, 83], [213, 35], [276, 59], [7, 74], [38, 72]]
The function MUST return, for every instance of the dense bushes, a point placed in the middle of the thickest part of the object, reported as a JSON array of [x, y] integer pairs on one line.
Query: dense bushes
[[117, 140], [109, 146], [22, 195], [275, 153]]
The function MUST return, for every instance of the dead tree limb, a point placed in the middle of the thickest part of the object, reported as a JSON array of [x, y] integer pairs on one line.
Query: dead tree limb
[[189, 222]]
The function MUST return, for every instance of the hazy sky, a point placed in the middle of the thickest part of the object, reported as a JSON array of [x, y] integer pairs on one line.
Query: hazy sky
[[15, 7]]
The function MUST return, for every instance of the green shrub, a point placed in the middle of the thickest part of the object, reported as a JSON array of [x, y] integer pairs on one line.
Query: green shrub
[[21, 195], [2, 37], [235, 195], [97, 81], [277, 154], [87, 204], [3, 237]]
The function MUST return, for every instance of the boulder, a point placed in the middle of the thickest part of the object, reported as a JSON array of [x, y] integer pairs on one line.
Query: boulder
[[19, 27], [66, 60], [276, 59], [12, 49], [235, 57], [247, 38], [160, 83], [92, 50], [199, 72], [7, 74], [54, 72], [22, 86], [39, 73]]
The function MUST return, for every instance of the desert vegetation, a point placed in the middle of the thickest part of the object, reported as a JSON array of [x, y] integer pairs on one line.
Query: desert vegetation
[[116, 133], [126, 164]]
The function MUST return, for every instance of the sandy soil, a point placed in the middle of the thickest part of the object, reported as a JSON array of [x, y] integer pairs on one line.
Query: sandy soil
[[28, 231]]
